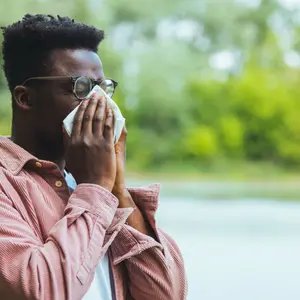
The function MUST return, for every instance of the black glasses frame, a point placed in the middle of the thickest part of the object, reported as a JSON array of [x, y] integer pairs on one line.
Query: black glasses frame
[[73, 80]]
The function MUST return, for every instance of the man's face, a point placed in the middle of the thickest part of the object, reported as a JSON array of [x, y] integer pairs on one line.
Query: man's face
[[55, 99]]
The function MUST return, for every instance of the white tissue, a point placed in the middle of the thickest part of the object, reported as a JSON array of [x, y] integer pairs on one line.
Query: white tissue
[[118, 118]]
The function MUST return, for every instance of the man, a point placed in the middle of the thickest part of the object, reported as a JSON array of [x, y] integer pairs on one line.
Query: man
[[69, 228]]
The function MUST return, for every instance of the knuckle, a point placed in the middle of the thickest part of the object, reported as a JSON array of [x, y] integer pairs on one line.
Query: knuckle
[[108, 126], [82, 108], [98, 118], [74, 144], [102, 98], [109, 147], [78, 120], [87, 117], [101, 102], [86, 142]]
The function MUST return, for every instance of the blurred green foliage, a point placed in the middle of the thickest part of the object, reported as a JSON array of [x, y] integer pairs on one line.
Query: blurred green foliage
[[200, 81]]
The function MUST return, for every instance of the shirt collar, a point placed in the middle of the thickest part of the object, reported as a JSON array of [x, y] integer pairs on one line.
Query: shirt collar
[[12, 156]]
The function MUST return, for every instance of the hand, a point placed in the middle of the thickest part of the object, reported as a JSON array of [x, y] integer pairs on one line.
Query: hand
[[90, 155], [120, 150], [136, 219]]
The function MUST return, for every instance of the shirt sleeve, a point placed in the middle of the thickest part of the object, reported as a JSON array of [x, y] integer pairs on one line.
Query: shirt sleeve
[[155, 266], [62, 267]]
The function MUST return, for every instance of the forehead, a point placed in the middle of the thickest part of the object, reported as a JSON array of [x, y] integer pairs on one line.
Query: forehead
[[75, 63]]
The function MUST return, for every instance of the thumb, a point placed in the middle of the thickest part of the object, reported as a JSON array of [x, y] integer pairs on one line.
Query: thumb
[[123, 134]]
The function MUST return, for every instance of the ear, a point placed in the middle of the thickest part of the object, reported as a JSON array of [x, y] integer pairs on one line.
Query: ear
[[23, 98]]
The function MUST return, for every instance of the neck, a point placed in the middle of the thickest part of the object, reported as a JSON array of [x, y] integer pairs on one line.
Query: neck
[[28, 140]]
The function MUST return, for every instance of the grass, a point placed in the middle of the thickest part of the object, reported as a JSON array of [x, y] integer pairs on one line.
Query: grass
[[221, 171]]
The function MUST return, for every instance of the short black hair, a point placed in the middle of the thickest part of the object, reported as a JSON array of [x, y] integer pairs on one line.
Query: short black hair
[[28, 43]]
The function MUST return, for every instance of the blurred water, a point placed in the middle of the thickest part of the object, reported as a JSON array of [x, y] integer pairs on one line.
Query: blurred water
[[236, 249]]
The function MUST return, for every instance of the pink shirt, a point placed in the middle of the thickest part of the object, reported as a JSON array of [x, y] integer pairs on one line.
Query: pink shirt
[[51, 241]]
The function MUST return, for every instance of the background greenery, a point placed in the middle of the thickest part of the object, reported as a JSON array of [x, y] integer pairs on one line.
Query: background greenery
[[205, 86]]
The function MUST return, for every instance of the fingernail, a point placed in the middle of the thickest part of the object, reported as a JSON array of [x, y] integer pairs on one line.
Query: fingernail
[[109, 112]]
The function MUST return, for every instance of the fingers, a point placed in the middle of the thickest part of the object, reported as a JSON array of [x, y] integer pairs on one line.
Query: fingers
[[100, 117], [77, 124], [108, 131], [93, 118], [87, 122]]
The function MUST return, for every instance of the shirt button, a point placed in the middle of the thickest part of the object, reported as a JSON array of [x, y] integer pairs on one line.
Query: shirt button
[[38, 164], [58, 184]]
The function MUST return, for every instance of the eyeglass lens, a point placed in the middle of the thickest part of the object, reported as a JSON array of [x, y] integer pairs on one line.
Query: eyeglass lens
[[83, 85]]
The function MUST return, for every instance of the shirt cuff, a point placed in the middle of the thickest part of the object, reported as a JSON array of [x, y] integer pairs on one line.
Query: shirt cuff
[[147, 199], [130, 242], [96, 200]]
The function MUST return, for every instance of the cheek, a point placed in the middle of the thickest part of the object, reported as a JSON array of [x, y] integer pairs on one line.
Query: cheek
[[47, 115], [54, 107], [62, 106], [66, 107], [44, 108]]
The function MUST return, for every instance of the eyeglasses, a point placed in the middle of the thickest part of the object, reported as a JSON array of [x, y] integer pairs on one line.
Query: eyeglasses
[[82, 85]]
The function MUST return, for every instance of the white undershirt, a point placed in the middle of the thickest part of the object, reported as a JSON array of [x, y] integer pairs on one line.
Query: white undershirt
[[101, 285]]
